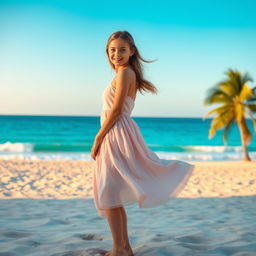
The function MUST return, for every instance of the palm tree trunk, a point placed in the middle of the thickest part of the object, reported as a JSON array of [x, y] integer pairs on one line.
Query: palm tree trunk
[[245, 137]]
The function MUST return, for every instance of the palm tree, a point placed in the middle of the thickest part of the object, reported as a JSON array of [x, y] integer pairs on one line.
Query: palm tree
[[237, 100]]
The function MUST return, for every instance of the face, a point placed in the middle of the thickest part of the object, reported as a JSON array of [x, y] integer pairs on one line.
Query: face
[[119, 52]]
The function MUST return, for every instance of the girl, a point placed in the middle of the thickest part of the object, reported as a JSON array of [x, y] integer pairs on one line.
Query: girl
[[126, 170]]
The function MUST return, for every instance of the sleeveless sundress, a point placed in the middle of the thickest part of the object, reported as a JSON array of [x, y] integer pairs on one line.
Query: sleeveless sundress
[[126, 171]]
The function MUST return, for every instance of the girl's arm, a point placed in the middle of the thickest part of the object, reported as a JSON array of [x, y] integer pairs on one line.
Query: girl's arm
[[123, 79]]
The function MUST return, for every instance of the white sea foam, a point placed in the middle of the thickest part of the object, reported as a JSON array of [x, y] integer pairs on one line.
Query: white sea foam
[[16, 147], [192, 156], [219, 149]]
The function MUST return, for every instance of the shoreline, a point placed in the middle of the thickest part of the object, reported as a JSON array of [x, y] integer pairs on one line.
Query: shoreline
[[67, 179]]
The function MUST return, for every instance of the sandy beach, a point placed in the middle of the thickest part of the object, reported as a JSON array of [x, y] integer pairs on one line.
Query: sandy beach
[[47, 209], [73, 179]]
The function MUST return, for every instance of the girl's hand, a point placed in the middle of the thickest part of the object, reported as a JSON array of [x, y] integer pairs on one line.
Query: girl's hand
[[96, 146]]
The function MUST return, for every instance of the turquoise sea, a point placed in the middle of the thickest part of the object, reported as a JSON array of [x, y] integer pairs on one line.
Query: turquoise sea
[[71, 137]]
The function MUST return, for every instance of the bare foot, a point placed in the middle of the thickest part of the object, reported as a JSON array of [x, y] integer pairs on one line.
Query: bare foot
[[121, 252], [126, 252]]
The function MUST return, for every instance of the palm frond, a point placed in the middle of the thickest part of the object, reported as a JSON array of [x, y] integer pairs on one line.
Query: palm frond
[[218, 110], [229, 87], [220, 121], [251, 99], [246, 93], [217, 96], [246, 78], [252, 107], [234, 80]]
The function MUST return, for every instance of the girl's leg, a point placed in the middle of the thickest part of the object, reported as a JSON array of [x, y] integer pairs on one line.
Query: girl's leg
[[118, 224], [125, 230], [114, 217]]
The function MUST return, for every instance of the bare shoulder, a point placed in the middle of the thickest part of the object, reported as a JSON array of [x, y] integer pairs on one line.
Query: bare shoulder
[[128, 74]]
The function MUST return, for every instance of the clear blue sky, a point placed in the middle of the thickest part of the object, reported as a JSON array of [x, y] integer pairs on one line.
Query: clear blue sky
[[53, 61]]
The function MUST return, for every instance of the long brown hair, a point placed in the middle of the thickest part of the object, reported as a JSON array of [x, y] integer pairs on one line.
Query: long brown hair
[[134, 61]]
